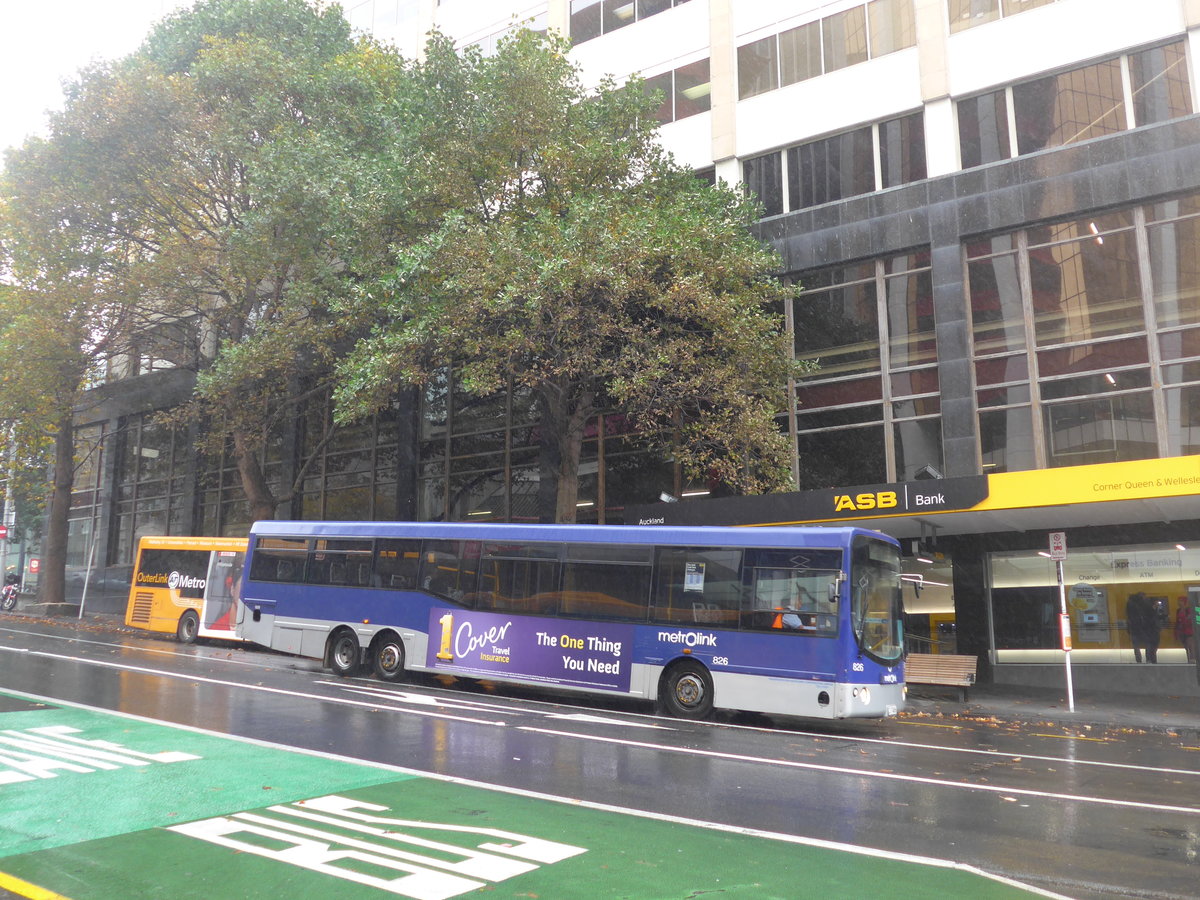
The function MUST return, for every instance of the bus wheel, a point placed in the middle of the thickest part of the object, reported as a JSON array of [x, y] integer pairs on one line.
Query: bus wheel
[[387, 657], [687, 691], [189, 627], [344, 654]]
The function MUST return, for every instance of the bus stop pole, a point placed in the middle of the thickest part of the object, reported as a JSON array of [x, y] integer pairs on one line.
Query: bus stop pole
[[1065, 620]]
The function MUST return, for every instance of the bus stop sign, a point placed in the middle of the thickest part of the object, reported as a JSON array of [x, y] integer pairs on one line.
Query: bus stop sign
[[1058, 545]]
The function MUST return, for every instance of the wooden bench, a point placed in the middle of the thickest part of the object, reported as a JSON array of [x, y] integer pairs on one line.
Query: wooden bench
[[948, 669]]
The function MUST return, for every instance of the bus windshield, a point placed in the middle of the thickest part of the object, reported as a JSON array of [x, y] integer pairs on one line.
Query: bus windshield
[[876, 600]]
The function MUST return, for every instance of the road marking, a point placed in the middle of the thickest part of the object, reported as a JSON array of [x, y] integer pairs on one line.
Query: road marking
[[867, 773], [796, 840], [930, 724], [889, 742], [1072, 737], [25, 889]]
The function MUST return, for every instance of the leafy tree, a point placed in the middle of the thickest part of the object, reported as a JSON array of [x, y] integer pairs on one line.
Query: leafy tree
[[581, 265]]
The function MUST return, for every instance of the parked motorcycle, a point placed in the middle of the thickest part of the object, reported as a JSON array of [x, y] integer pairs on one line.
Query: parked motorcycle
[[8, 594]]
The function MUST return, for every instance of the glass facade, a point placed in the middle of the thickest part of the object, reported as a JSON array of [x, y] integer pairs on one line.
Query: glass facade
[[1065, 325], [1076, 105], [1123, 601], [686, 91], [870, 412], [592, 18]]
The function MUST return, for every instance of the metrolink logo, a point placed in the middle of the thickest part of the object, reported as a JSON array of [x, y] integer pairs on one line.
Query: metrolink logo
[[689, 638], [870, 500], [351, 840]]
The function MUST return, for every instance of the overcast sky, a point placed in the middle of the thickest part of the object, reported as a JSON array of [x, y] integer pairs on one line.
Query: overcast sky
[[44, 42]]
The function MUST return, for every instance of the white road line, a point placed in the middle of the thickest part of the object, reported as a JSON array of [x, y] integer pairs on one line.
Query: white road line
[[571, 801], [867, 773], [256, 687], [710, 754]]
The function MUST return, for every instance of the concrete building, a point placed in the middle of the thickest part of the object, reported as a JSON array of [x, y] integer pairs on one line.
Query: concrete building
[[994, 209]]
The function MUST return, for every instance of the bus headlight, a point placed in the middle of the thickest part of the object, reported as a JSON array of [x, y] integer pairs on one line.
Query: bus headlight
[[864, 694]]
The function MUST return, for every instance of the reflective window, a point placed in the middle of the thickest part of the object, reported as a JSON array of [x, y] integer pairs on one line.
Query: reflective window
[[968, 13], [789, 592], [902, 150], [799, 53], [606, 581], [279, 559], [1100, 430], [997, 312], [842, 456], [762, 177], [983, 135], [585, 20], [911, 338], [617, 14], [518, 577], [1006, 439], [831, 169], [693, 89], [918, 444], [397, 561], [1071, 107], [758, 67], [1085, 280], [844, 38], [1159, 80], [893, 26], [1175, 261], [837, 321], [697, 585], [1183, 420]]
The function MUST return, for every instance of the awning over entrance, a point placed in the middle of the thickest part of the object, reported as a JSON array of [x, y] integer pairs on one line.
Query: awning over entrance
[[1124, 493]]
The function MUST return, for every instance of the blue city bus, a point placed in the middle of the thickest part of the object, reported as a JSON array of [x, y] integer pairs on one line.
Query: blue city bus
[[800, 621]]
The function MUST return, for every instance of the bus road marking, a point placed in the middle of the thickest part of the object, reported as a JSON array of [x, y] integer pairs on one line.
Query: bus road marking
[[931, 725], [35, 893]]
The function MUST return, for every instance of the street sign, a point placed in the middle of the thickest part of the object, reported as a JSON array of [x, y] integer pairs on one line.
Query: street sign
[[3, 532], [35, 565], [1058, 545]]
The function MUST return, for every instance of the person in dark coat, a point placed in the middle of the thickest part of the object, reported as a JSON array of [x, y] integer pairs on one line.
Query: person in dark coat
[[1142, 621]]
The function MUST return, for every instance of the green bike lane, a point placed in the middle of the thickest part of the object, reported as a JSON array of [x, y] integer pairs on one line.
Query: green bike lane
[[95, 804]]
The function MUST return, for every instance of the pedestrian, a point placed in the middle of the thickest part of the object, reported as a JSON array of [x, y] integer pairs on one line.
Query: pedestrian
[[1141, 620], [1185, 628]]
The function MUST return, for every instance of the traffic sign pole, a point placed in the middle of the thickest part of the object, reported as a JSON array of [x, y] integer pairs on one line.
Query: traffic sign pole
[[1058, 553]]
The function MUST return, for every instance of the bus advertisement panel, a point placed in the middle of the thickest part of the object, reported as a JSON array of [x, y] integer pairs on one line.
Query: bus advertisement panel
[[187, 586], [801, 621]]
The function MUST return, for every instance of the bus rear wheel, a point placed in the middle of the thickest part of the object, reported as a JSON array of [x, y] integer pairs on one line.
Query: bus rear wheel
[[387, 657], [687, 691], [344, 654], [188, 628]]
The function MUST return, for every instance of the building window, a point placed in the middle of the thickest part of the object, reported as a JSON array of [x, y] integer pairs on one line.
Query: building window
[[825, 45], [843, 165], [1123, 604], [592, 18], [763, 178], [858, 323], [1064, 352], [969, 13], [1073, 106], [686, 91]]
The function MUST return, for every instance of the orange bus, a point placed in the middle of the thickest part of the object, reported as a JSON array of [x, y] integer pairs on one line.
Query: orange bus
[[187, 585]]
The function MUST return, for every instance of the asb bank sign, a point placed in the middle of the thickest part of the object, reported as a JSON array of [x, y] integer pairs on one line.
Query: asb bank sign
[[940, 495]]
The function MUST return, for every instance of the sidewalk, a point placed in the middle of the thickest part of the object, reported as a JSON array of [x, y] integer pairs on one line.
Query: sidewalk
[[1032, 706]]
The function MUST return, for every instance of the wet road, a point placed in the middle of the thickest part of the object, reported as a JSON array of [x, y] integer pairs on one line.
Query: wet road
[[1114, 815]]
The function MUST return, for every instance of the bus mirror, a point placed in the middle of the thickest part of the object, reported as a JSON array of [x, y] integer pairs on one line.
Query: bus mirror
[[835, 587]]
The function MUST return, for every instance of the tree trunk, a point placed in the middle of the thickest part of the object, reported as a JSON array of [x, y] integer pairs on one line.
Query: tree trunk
[[261, 501], [53, 580]]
